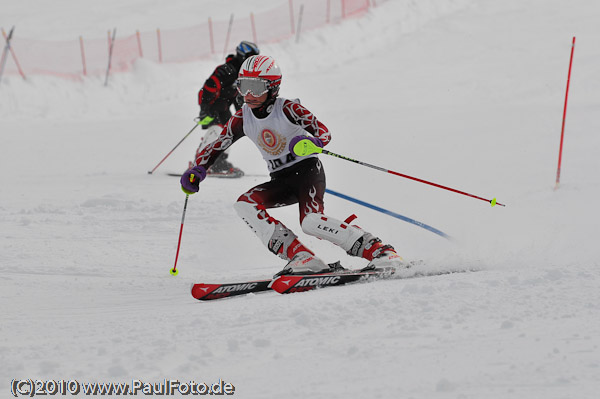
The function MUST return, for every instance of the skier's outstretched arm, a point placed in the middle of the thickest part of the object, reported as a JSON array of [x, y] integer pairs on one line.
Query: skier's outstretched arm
[[233, 131]]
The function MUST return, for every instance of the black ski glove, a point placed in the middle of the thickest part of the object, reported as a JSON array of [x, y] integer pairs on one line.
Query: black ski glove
[[206, 117]]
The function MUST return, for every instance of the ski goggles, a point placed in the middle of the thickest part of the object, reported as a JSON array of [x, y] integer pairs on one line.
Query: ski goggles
[[257, 87]]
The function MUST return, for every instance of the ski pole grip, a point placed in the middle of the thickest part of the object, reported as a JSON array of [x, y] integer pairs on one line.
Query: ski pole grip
[[306, 147], [206, 120]]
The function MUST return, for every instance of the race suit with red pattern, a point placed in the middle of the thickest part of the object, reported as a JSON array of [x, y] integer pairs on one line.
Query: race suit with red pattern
[[293, 179]]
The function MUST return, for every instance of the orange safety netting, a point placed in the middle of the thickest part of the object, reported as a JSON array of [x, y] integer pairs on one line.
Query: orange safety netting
[[84, 57]]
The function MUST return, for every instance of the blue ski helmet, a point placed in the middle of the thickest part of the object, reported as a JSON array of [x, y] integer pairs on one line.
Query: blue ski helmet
[[246, 49]]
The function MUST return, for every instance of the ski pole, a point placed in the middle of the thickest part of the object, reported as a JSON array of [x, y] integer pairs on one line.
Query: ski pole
[[307, 147], [5, 51], [390, 213], [110, 53], [181, 141], [174, 271]]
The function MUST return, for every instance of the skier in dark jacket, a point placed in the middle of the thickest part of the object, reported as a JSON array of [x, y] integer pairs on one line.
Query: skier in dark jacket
[[215, 98]]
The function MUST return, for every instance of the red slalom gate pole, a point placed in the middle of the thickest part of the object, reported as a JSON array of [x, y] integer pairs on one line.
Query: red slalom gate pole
[[562, 131], [159, 45], [174, 271]]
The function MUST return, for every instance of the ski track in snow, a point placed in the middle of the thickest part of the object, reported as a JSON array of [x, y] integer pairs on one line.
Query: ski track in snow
[[463, 93]]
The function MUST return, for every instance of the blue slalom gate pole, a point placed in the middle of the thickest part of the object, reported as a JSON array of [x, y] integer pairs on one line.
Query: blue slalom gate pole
[[390, 213]]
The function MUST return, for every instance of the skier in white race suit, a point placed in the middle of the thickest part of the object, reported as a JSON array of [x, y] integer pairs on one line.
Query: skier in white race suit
[[275, 125]]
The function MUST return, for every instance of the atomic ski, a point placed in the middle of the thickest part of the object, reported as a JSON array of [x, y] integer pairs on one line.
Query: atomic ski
[[207, 292], [288, 284]]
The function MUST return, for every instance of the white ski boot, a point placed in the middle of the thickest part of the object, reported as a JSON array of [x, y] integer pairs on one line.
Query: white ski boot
[[304, 263], [379, 255], [387, 257]]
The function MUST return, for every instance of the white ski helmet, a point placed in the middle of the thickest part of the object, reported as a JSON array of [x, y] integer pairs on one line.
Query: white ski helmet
[[258, 75]]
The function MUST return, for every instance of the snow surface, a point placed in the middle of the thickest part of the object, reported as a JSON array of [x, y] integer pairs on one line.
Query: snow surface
[[468, 94]]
